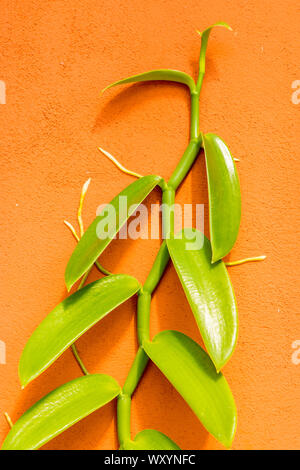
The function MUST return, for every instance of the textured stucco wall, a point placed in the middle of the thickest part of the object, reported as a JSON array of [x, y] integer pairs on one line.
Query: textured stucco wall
[[55, 57]]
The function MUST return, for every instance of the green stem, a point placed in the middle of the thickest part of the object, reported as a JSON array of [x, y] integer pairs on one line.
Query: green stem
[[144, 298], [200, 81], [123, 418], [79, 360], [185, 163], [143, 316], [194, 133], [135, 373], [168, 216], [157, 269], [124, 399]]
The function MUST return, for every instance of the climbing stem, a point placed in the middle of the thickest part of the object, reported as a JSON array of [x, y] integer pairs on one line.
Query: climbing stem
[[123, 418], [194, 114], [157, 269], [185, 163], [159, 265], [143, 316], [135, 373], [200, 81], [152, 281], [168, 216]]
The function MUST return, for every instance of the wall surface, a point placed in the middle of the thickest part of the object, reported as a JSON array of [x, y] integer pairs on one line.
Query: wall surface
[[55, 57]]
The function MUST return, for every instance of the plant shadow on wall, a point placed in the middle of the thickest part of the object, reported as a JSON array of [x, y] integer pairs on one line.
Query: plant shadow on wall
[[193, 371], [126, 101]]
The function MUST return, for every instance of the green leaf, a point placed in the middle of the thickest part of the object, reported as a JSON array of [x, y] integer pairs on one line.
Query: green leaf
[[149, 439], [106, 225], [224, 196], [70, 319], [59, 410], [209, 292], [204, 40], [191, 372], [162, 74]]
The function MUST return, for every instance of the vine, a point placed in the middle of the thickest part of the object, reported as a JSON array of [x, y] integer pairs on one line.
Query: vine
[[194, 372]]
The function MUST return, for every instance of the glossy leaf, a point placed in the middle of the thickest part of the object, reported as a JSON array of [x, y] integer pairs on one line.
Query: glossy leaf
[[115, 215], [70, 319], [162, 74], [224, 196], [149, 439], [209, 292], [59, 410], [204, 40], [190, 370]]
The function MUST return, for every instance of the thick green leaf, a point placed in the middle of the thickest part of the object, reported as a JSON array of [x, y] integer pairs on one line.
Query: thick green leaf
[[59, 410], [162, 74], [149, 439], [191, 372], [224, 196], [209, 292], [115, 215], [70, 319], [204, 40]]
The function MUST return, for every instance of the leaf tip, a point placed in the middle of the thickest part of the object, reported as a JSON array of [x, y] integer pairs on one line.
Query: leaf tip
[[218, 253], [84, 191], [228, 436], [23, 380], [104, 89], [68, 281], [224, 25], [220, 360], [23, 377], [220, 23]]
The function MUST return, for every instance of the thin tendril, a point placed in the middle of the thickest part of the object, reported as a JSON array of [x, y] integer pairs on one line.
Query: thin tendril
[[79, 360], [8, 419], [119, 165], [102, 269], [84, 278], [80, 222], [245, 260], [82, 196], [70, 226]]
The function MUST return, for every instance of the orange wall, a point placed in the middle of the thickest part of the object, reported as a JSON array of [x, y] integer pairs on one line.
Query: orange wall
[[55, 57]]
